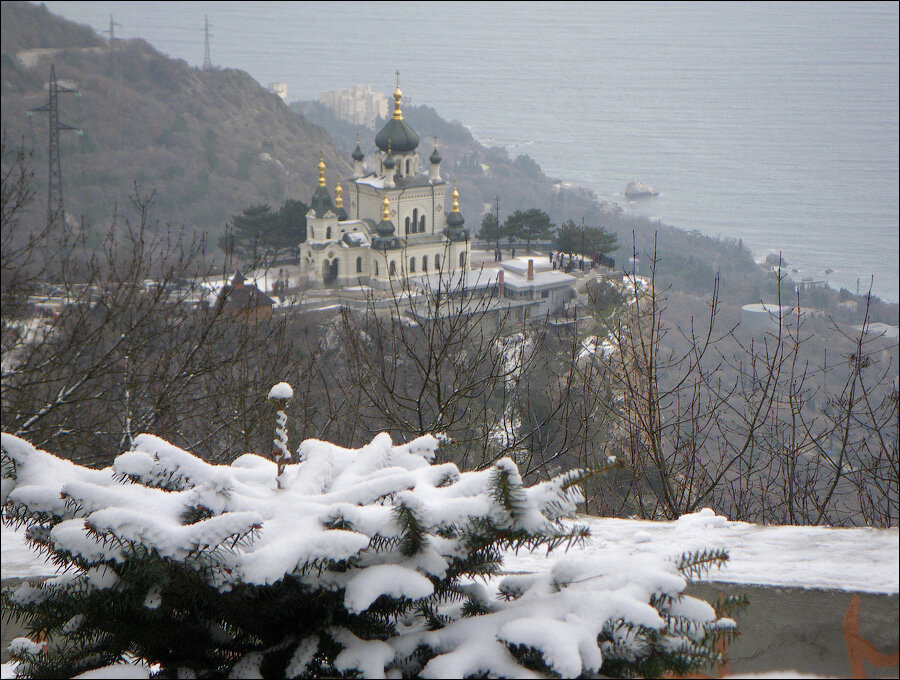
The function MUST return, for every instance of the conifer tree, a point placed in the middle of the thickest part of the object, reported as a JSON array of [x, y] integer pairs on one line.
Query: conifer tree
[[259, 229], [528, 225], [349, 563], [491, 229], [588, 241]]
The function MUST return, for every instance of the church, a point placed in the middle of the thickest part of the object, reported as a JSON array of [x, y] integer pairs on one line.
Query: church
[[393, 226]]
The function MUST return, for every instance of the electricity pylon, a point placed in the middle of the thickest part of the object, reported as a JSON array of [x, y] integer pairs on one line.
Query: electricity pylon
[[55, 205], [207, 61]]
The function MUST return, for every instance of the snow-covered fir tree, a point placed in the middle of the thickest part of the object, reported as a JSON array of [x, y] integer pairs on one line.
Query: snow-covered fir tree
[[371, 562]]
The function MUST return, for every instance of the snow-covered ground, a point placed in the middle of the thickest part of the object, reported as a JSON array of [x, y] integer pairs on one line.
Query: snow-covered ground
[[861, 560]]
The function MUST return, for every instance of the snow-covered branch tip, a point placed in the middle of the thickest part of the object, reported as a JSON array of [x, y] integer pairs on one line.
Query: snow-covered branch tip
[[279, 396]]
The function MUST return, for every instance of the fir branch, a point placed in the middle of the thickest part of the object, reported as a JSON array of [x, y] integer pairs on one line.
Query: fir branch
[[694, 565], [414, 538]]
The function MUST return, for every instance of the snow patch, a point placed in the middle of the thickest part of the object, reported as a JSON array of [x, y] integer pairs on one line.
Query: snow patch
[[368, 585], [282, 390]]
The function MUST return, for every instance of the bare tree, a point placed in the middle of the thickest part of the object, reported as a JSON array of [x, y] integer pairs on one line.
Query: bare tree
[[760, 428], [105, 342]]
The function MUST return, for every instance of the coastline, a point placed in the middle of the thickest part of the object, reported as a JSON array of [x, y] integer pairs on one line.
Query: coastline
[[797, 272]]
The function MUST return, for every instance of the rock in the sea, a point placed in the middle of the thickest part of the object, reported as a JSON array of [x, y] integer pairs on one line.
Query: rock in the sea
[[637, 189], [611, 208]]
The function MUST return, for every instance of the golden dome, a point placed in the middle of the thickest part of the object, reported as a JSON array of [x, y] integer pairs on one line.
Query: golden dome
[[385, 208], [338, 196], [455, 196], [321, 171]]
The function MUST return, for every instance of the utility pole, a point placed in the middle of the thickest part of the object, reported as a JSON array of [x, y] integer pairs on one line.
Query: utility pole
[[55, 205], [582, 237], [207, 60], [497, 207]]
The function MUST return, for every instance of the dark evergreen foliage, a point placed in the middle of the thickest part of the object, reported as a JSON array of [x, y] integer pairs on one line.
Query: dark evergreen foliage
[[126, 595]]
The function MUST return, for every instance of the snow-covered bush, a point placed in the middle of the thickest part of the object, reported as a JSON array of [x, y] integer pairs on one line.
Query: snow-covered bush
[[367, 562]]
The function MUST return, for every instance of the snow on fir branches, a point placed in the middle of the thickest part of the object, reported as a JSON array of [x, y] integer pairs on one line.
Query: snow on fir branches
[[365, 562]]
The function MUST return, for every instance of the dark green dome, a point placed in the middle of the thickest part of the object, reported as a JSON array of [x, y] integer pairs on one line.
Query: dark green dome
[[399, 135], [455, 220], [385, 228], [435, 157], [321, 201], [357, 153], [341, 214], [454, 229], [389, 162], [385, 238]]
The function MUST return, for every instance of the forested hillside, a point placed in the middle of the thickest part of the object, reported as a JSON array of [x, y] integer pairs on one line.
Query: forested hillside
[[209, 143]]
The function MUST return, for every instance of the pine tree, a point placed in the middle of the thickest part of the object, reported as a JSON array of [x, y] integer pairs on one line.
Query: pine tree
[[528, 225], [291, 224], [491, 229], [250, 229], [259, 230], [348, 563], [588, 241]]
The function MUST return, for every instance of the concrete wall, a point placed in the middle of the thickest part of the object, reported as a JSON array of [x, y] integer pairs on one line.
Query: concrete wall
[[804, 630], [783, 629]]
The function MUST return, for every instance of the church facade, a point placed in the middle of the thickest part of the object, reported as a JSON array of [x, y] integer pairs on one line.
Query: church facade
[[391, 226]]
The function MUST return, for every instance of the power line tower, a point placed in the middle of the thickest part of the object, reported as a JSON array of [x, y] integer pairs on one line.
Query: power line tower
[[112, 30], [55, 205], [207, 61], [114, 67]]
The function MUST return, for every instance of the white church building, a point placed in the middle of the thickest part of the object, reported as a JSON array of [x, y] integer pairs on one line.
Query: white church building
[[392, 224]]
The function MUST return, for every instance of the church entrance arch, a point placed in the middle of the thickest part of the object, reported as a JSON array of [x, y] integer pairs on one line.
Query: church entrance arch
[[329, 272]]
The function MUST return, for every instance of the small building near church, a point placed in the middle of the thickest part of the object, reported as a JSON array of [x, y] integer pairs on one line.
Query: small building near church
[[242, 300], [526, 280], [392, 225]]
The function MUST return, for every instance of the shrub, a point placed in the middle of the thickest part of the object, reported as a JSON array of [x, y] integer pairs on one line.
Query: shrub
[[356, 562]]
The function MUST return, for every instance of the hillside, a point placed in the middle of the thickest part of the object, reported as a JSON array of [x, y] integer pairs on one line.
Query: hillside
[[482, 173], [195, 137]]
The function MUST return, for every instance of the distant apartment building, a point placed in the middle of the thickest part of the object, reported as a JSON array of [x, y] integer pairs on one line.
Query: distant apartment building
[[280, 89], [357, 105]]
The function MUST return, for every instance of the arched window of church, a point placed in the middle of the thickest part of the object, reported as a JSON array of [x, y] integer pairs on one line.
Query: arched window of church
[[359, 265], [415, 220], [422, 224], [375, 267], [462, 259], [328, 233], [437, 261], [407, 166], [392, 270], [407, 225], [412, 265], [424, 263]]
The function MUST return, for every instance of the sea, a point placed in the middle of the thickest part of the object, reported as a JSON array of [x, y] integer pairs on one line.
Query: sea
[[776, 123]]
